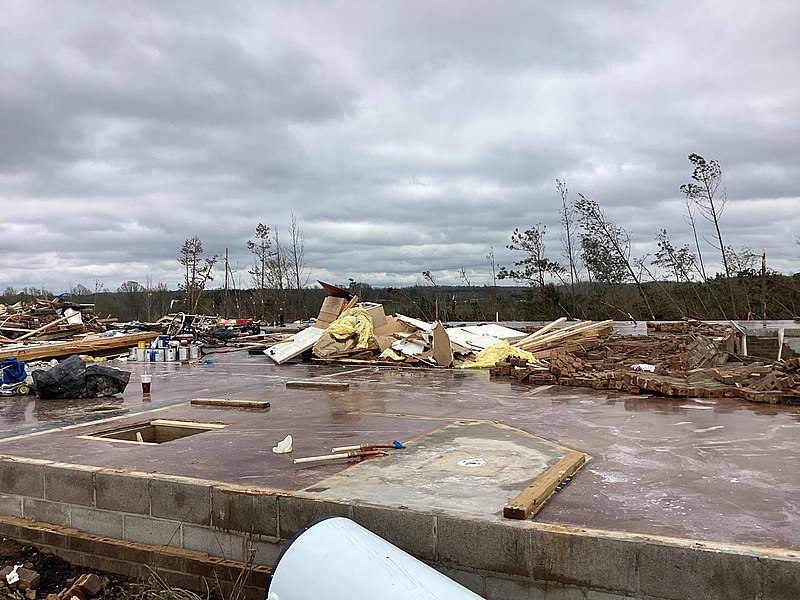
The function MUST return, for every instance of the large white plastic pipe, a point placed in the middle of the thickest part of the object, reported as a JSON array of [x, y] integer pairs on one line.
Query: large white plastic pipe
[[337, 559]]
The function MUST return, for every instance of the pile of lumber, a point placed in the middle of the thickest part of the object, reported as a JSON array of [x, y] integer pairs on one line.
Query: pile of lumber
[[57, 328], [46, 320], [687, 359]]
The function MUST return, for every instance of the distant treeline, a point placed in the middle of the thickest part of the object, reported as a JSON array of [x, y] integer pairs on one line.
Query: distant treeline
[[755, 296]]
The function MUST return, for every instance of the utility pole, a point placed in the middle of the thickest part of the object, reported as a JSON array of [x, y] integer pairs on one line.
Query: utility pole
[[764, 285]]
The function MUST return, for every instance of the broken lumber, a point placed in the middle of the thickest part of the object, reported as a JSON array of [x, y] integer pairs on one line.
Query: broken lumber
[[230, 402], [532, 499], [309, 383]]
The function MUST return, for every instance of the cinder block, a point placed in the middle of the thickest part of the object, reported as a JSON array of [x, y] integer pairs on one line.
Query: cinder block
[[45, 511], [10, 506], [147, 530], [73, 484], [472, 581], [98, 522], [295, 513], [676, 572], [125, 492], [499, 588], [410, 531], [589, 561], [485, 545], [781, 578], [265, 552], [214, 542], [22, 478], [240, 509], [183, 501]]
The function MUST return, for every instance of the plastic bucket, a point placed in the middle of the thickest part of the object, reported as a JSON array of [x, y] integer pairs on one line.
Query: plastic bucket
[[337, 559]]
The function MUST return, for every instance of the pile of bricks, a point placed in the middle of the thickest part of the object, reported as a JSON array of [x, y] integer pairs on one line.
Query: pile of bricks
[[688, 359]]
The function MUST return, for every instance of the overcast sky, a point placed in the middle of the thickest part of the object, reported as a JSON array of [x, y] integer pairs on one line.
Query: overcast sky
[[403, 135]]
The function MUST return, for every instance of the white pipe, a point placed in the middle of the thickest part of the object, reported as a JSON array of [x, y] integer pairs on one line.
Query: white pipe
[[337, 559]]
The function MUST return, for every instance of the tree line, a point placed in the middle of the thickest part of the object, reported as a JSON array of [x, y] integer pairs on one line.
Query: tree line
[[599, 276], [595, 276]]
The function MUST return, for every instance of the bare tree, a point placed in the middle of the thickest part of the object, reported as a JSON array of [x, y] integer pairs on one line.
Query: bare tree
[[261, 249], [197, 271], [702, 192], [490, 260], [278, 270], [568, 233], [296, 254]]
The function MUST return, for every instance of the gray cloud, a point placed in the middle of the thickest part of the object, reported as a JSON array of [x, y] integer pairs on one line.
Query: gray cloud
[[404, 136]]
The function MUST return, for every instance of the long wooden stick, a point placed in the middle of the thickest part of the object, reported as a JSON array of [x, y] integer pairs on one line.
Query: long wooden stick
[[336, 456], [540, 332], [43, 327], [564, 333]]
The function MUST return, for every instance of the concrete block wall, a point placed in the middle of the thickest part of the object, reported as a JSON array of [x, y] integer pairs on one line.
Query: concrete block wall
[[497, 558]]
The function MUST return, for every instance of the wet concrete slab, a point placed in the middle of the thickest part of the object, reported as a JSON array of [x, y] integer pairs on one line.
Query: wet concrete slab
[[465, 467], [721, 470]]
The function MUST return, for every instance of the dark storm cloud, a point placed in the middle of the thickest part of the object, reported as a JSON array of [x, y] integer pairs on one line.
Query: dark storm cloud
[[404, 136]]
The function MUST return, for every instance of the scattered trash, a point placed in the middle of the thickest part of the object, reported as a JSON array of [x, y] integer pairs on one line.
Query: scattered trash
[[284, 446], [147, 379], [73, 378], [13, 576], [336, 456]]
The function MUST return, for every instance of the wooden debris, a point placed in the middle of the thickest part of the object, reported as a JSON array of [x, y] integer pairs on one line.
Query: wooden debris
[[313, 383], [532, 499], [230, 402]]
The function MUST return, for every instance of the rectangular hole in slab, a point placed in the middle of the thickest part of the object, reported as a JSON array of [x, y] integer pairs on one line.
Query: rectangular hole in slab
[[158, 431]]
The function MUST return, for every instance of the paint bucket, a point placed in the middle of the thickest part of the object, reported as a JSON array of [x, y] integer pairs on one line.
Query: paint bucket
[[132, 353], [194, 351], [170, 355], [337, 559], [141, 354], [183, 353], [159, 355], [151, 355]]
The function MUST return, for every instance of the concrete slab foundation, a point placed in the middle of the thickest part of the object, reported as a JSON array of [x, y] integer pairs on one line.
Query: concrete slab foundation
[[682, 498]]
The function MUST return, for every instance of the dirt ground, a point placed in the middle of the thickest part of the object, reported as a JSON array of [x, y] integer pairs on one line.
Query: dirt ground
[[57, 575]]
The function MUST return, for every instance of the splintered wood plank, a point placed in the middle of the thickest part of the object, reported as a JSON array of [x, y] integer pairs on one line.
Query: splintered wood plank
[[230, 402], [87, 345], [311, 383], [532, 499]]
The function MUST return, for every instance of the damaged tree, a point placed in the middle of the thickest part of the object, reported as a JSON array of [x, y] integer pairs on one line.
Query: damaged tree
[[607, 248], [197, 271], [534, 268], [707, 176]]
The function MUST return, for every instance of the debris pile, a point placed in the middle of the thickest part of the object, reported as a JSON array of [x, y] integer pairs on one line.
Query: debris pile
[[688, 359], [57, 328], [46, 320], [683, 359]]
